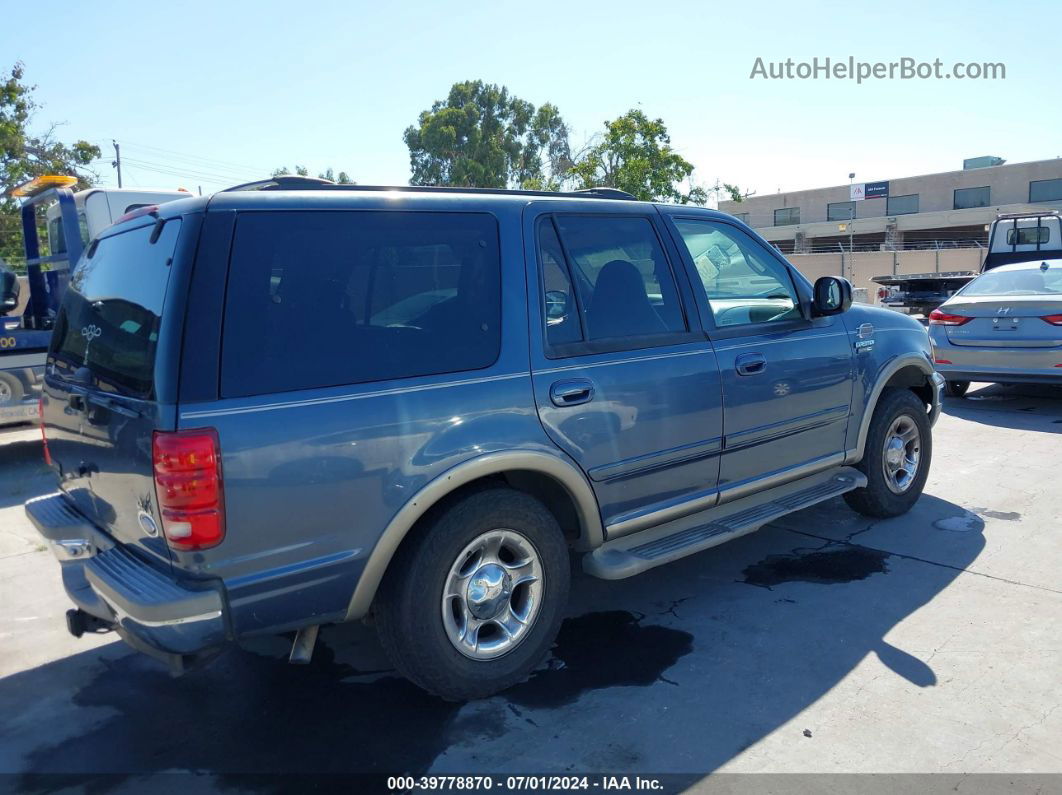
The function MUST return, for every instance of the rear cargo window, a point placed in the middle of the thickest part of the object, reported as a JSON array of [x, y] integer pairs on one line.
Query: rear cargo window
[[321, 299], [109, 319]]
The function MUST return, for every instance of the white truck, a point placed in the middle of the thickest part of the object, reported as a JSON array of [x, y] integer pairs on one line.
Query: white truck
[[1014, 237], [28, 303]]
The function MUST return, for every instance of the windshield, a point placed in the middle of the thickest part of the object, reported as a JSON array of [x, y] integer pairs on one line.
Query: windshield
[[1041, 279]]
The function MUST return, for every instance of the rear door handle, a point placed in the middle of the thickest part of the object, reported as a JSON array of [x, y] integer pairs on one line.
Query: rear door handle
[[750, 363], [571, 393]]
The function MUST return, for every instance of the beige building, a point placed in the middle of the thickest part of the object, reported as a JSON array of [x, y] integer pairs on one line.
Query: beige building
[[934, 211]]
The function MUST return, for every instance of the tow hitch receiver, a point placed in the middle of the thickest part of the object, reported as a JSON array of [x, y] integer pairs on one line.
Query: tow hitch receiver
[[78, 622]]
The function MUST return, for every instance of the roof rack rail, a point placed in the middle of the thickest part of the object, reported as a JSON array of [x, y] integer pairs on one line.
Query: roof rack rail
[[283, 182], [1029, 214], [295, 182]]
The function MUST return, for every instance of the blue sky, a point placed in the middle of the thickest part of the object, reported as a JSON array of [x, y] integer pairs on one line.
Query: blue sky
[[215, 93]]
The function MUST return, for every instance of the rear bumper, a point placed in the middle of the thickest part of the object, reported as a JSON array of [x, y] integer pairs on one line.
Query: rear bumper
[[152, 611]]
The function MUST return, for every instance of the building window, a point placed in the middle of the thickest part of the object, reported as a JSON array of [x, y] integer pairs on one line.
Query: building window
[[966, 198], [1045, 190], [840, 211], [787, 216], [743, 217], [902, 205]]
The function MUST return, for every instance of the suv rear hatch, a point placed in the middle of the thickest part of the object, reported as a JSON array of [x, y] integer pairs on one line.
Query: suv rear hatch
[[99, 405]]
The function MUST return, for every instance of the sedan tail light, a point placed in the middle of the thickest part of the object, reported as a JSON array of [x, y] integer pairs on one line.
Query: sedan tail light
[[1054, 320], [938, 318], [188, 484]]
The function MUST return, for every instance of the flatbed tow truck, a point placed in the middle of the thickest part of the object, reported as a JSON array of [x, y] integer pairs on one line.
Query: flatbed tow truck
[[72, 220], [1014, 237]]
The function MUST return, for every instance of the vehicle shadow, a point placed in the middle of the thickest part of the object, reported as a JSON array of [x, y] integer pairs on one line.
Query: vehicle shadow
[[679, 669], [1031, 407], [22, 463]]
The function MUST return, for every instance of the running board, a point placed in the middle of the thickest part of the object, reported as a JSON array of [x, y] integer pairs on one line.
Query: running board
[[639, 552]]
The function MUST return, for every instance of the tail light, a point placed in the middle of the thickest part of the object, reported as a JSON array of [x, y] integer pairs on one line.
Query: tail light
[[188, 484], [942, 361], [883, 293], [938, 318], [147, 209], [1054, 320], [44, 436]]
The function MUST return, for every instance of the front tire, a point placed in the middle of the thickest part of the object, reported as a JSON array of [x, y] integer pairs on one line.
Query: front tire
[[472, 603], [896, 458], [956, 389]]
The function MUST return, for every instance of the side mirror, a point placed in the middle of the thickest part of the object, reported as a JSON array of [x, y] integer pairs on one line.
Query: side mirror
[[556, 305], [833, 295], [8, 291]]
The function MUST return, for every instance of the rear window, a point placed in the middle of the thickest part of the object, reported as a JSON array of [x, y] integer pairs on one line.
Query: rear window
[[109, 319], [1028, 236], [1045, 279], [320, 299]]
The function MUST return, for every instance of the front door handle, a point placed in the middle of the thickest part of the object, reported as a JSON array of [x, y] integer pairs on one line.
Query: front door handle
[[750, 363], [571, 393]]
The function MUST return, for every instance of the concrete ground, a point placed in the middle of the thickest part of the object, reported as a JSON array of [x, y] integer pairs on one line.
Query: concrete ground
[[825, 643]]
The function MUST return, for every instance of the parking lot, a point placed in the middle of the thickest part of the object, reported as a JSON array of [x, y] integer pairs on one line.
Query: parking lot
[[825, 642]]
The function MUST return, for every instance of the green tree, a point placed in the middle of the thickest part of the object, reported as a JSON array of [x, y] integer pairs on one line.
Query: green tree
[[634, 154], [24, 156], [342, 179], [481, 136]]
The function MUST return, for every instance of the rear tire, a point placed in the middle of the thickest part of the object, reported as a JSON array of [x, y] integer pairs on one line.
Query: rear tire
[[11, 390], [956, 389], [896, 458], [472, 603]]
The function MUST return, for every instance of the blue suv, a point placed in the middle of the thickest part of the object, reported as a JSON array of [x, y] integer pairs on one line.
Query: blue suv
[[295, 403]]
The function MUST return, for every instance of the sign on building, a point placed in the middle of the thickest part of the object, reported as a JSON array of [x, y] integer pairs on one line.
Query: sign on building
[[869, 190]]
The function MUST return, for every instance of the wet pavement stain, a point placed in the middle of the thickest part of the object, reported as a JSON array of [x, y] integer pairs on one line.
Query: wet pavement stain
[[1006, 516], [254, 714], [593, 652], [843, 565]]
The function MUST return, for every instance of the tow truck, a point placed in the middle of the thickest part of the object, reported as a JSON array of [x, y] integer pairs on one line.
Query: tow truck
[[1014, 237], [72, 220]]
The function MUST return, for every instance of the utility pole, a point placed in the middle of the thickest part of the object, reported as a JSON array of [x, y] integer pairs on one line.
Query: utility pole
[[851, 220], [117, 163]]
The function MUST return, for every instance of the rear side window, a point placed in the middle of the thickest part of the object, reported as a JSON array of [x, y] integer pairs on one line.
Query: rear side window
[[624, 295], [319, 299], [109, 319]]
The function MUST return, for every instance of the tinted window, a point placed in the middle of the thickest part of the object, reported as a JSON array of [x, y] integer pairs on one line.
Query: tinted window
[[787, 216], [902, 205], [743, 282], [329, 298], [625, 288], [1045, 190], [109, 319], [560, 306], [972, 197], [840, 211]]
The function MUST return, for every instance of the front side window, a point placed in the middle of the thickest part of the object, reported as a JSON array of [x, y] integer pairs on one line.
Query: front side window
[[319, 299], [787, 216], [840, 211], [606, 280], [743, 283], [965, 198]]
